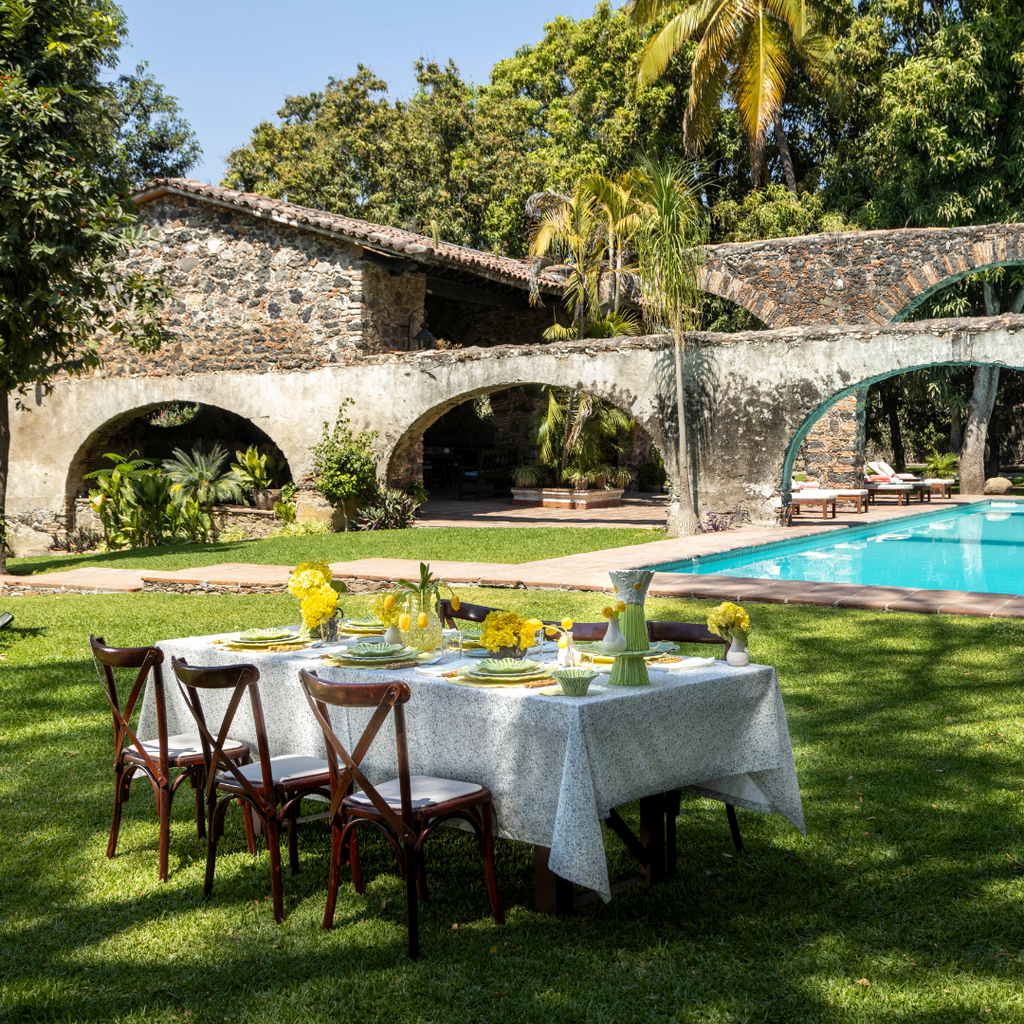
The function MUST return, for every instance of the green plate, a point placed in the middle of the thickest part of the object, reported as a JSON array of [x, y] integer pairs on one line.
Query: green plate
[[266, 635], [374, 652], [506, 667], [596, 647]]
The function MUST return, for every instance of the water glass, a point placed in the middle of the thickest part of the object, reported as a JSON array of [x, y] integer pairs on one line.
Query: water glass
[[451, 644]]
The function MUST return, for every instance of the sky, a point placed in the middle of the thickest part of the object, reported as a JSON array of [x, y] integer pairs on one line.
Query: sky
[[231, 64]]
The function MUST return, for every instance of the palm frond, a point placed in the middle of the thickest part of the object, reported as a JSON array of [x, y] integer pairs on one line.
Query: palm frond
[[759, 80]]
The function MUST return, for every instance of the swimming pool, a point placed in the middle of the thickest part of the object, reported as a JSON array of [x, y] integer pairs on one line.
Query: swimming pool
[[977, 547]]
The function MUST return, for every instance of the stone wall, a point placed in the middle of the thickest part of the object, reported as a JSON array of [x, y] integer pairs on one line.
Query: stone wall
[[834, 449]]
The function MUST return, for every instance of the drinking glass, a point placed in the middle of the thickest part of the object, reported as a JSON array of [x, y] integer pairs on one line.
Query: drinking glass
[[451, 644]]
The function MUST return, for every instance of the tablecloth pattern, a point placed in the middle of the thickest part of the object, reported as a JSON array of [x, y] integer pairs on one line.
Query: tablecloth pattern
[[555, 766]]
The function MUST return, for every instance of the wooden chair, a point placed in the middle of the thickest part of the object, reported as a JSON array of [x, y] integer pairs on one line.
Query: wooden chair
[[406, 810], [272, 789], [156, 759]]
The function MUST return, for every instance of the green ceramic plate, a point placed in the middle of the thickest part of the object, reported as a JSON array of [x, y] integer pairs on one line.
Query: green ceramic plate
[[506, 667], [374, 652], [596, 647], [266, 635]]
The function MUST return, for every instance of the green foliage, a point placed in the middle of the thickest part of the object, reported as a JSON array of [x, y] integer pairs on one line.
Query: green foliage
[[285, 508], [417, 489], [940, 464], [60, 230], [255, 471], [389, 509], [307, 528], [151, 139], [773, 212], [344, 465], [137, 506], [198, 476]]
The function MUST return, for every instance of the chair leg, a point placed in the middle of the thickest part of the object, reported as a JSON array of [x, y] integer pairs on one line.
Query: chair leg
[[163, 809], [673, 800], [353, 860], [250, 835], [121, 784], [412, 907], [293, 839], [492, 876], [213, 833], [197, 780], [332, 877], [734, 827], [272, 827]]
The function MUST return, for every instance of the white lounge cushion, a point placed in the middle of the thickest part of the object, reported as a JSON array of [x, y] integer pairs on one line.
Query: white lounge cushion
[[426, 791], [815, 495], [287, 768], [185, 744], [889, 487], [852, 492]]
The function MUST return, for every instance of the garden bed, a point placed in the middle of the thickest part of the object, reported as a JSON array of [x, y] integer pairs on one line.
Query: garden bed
[[566, 497]]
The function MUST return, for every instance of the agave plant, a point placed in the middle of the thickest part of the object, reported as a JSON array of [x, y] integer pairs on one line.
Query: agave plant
[[198, 476]]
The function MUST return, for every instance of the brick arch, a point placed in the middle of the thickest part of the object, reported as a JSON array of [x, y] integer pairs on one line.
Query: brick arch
[[717, 280]]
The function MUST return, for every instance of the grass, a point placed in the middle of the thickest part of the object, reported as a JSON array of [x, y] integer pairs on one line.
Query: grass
[[506, 545], [903, 904]]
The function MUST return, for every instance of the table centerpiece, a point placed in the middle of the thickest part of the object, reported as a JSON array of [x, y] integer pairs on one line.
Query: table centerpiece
[[732, 623], [508, 635], [629, 667], [418, 622], [313, 585]]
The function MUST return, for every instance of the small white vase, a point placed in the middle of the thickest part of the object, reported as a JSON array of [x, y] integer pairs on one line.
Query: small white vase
[[614, 641], [567, 655], [737, 655], [393, 635]]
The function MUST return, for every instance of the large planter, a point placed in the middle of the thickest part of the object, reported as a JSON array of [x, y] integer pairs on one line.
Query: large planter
[[264, 497], [566, 497]]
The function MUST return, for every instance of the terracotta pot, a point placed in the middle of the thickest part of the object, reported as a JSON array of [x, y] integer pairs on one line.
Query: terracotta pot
[[264, 498]]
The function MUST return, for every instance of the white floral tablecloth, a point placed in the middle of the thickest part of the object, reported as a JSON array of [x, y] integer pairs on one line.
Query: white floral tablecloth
[[555, 765]]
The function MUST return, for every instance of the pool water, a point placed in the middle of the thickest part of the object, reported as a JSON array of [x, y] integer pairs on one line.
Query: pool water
[[977, 547]]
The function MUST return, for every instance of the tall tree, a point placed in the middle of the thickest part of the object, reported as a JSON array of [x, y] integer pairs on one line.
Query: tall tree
[[60, 230], [744, 49]]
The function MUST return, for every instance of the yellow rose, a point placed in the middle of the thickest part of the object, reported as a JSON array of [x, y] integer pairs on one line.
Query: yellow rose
[[405, 622], [421, 620], [455, 603]]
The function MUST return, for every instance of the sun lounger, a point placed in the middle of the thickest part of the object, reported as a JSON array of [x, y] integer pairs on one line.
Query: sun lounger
[[858, 495], [822, 499], [925, 486], [901, 491]]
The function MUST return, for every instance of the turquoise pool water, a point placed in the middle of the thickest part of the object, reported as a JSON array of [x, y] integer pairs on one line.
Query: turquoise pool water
[[977, 547]]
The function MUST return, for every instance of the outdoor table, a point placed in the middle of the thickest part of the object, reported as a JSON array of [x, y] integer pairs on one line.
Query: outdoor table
[[556, 766]]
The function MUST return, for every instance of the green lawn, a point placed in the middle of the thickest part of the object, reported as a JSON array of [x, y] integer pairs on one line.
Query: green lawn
[[907, 732], [508, 545]]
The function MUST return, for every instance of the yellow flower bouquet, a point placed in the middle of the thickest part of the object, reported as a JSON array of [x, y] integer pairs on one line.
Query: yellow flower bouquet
[[508, 635], [314, 586], [730, 622]]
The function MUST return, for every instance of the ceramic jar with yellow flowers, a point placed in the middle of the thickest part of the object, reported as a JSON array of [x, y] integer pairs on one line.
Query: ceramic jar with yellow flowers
[[388, 611], [732, 623], [314, 586], [507, 635], [614, 638], [566, 648], [418, 621], [630, 587]]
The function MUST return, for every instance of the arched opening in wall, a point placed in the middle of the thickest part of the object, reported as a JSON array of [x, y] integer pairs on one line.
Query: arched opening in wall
[[721, 315], [156, 431], [489, 443], [913, 420]]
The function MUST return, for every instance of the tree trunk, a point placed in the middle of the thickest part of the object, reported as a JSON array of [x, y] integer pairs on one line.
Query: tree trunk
[[787, 157], [956, 432], [892, 412], [682, 519], [5, 453], [979, 410]]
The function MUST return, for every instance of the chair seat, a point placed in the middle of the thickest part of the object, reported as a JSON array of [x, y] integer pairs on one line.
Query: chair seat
[[185, 748], [291, 771], [889, 487], [427, 791], [852, 492], [813, 495]]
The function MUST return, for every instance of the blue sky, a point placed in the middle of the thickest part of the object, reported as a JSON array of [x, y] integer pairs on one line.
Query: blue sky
[[232, 64]]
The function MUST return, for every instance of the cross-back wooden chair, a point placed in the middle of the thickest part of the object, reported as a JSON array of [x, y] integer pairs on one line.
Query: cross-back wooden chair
[[272, 789], [406, 810], [156, 759]]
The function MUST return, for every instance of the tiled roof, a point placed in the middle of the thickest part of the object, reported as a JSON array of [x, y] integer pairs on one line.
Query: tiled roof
[[390, 241]]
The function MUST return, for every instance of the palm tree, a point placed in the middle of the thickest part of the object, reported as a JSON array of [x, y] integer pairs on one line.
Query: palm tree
[[620, 211], [198, 476], [744, 48], [669, 254]]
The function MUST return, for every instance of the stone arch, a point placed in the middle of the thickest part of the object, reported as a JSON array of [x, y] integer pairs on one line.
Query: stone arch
[[399, 453]]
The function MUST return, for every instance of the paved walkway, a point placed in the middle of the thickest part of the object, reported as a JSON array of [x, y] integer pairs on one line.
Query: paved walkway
[[637, 510], [587, 572]]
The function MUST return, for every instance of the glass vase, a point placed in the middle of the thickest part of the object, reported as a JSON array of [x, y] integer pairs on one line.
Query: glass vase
[[425, 638]]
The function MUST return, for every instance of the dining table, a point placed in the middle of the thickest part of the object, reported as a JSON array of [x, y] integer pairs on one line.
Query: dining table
[[556, 766]]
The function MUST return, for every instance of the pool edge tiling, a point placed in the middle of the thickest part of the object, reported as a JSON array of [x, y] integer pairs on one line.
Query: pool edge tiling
[[706, 586]]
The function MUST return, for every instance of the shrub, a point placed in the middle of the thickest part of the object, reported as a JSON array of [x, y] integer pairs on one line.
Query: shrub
[[713, 522], [76, 541], [389, 510], [344, 464], [285, 508], [232, 535], [942, 464], [308, 528], [256, 472]]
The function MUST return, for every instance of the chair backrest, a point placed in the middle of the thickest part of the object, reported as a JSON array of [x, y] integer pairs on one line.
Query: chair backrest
[[466, 612], [6, 619], [386, 698], [144, 660], [239, 679], [683, 633]]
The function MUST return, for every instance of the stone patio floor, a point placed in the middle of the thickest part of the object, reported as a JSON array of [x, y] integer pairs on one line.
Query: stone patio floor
[[587, 572]]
